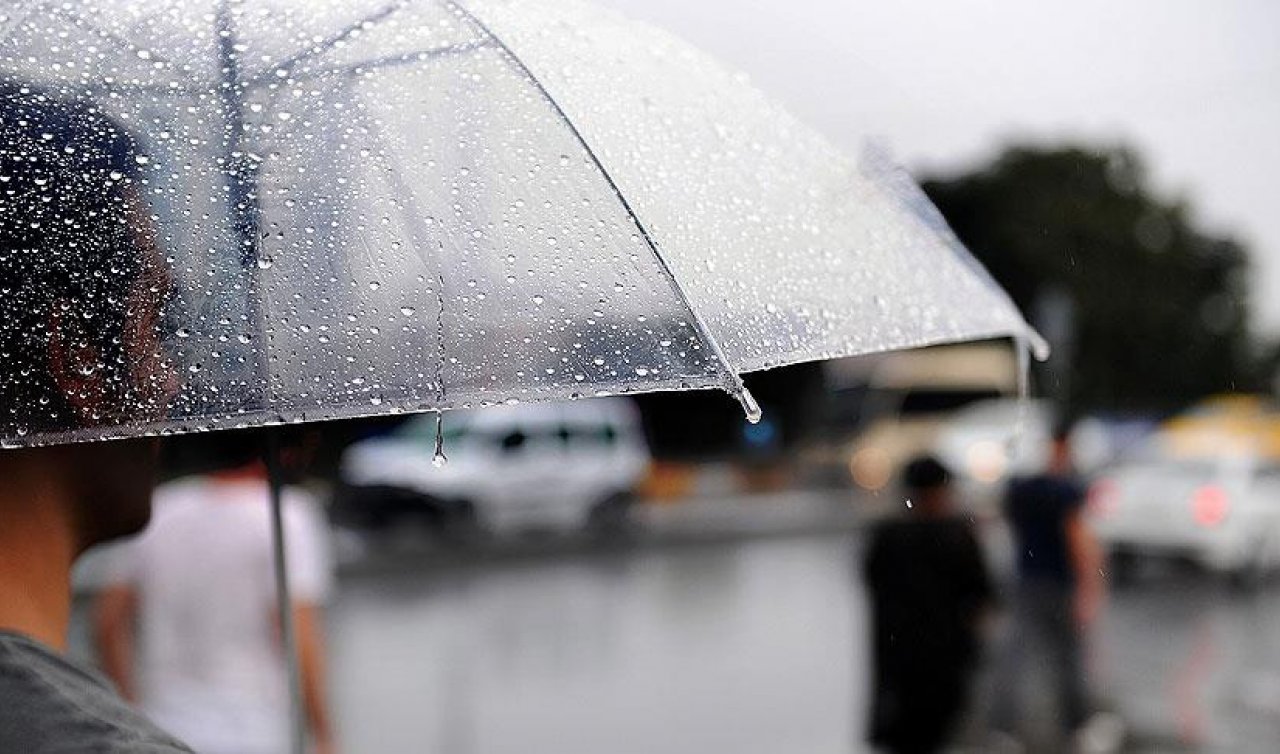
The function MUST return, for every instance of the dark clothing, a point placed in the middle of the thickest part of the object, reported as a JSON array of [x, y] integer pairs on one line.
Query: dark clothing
[[1038, 507], [48, 706], [928, 584], [1044, 634], [1043, 629]]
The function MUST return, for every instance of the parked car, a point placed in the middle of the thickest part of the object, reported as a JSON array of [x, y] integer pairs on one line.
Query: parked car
[[546, 465], [1221, 511]]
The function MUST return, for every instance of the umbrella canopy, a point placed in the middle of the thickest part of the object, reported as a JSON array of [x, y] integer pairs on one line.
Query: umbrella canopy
[[222, 213]]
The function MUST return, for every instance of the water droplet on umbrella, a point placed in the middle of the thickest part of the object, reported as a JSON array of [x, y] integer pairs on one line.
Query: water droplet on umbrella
[[407, 311], [265, 263]]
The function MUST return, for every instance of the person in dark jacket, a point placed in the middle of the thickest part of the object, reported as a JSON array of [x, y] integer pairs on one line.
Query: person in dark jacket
[[929, 589]]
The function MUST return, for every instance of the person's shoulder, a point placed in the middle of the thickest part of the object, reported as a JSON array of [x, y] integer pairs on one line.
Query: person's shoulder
[[49, 704]]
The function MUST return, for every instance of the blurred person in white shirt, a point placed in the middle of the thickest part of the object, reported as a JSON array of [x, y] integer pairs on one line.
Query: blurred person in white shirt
[[187, 624]]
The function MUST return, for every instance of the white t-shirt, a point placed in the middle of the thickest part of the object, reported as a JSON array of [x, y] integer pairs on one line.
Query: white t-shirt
[[209, 662]]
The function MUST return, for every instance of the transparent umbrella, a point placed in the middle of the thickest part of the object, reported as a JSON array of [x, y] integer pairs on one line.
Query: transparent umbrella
[[364, 207], [222, 213]]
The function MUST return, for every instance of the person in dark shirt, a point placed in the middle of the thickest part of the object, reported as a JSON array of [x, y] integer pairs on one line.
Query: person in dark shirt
[[82, 283], [1059, 586], [929, 589]]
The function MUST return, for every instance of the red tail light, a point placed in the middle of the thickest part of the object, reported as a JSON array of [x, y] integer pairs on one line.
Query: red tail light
[[1102, 498], [1210, 505]]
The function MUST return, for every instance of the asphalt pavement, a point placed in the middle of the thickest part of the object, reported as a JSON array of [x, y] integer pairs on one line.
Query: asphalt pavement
[[730, 624]]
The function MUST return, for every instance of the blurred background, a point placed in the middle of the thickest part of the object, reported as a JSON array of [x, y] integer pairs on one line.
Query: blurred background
[[657, 575]]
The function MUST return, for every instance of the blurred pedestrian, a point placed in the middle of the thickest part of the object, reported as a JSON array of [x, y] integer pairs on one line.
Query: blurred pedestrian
[[197, 590], [1058, 591], [82, 285], [929, 590]]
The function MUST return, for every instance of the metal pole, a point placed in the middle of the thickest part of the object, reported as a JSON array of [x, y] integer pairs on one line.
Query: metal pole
[[284, 603]]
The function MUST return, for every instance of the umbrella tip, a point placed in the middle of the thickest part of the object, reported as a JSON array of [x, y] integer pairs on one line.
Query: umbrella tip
[[749, 405]]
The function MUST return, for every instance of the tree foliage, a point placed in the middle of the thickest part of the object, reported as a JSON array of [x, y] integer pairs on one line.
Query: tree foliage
[[1160, 308]]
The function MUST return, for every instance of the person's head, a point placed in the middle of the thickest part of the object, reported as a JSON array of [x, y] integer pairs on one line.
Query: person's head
[[927, 483], [82, 287]]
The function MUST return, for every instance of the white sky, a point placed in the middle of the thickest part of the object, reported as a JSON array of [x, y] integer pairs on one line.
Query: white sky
[[1193, 84]]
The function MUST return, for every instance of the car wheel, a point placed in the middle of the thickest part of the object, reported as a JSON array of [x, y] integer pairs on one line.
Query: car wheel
[[612, 515], [1248, 575], [460, 523]]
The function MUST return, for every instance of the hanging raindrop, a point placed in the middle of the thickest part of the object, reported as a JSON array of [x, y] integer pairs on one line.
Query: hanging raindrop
[[439, 459]]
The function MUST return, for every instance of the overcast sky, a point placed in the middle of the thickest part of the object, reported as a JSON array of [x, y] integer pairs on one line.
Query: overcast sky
[[1194, 84]]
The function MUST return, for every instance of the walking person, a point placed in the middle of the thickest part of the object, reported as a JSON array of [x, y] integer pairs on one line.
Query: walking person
[[197, 590], [1058, 591], [929, 589]]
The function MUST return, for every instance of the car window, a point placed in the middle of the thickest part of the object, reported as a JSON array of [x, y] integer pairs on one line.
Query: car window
[[513, 441]]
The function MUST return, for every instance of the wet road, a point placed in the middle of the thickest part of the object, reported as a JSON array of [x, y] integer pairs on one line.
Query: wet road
[[1193, 663], [742, 647], [746, 646]]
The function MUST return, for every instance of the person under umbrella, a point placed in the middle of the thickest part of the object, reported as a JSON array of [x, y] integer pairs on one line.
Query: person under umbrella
[[82, 284], [371, 208]]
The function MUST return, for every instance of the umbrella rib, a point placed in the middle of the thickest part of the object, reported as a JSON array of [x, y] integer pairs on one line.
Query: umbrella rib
[[326, 44], [733, 381], [391, 61]]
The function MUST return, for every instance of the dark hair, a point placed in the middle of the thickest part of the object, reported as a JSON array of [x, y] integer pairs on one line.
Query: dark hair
[[925, 473], [68, 239]]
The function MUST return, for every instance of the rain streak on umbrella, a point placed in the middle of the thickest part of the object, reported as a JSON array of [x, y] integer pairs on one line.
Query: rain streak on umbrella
[[364, 207]]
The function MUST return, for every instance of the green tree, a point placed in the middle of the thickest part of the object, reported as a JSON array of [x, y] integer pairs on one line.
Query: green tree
[[1160, 309]]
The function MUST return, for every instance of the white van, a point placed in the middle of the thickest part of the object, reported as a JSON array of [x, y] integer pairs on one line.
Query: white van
[[554, 466]]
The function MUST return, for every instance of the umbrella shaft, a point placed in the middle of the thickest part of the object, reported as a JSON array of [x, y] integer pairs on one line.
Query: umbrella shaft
[[284, 603]]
